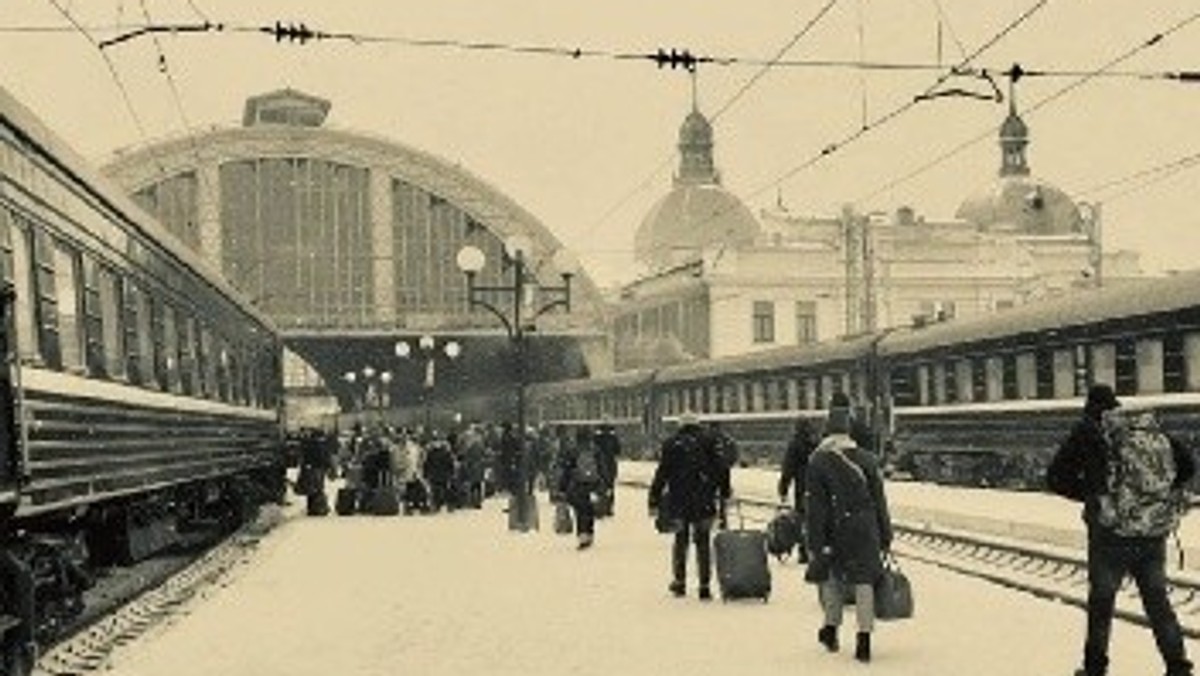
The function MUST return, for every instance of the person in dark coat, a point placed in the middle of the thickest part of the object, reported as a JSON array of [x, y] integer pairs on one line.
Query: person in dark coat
[[692, 483], [848, 529], [1079, 471], [576, 486], [473, 457], [795, 462], [608, 449], [439, 472]]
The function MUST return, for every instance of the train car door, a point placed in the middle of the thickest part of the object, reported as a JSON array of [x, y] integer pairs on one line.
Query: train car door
[[11, 444]]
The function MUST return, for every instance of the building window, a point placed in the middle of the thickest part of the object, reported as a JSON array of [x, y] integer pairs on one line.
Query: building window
[[764, 321], [806, 322]]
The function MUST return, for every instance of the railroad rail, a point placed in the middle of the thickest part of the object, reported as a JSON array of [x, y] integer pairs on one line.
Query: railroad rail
[[1050, 573], [90, 648]]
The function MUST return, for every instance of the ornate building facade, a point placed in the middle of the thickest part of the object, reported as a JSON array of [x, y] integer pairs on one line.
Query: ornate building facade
[[722, 282]]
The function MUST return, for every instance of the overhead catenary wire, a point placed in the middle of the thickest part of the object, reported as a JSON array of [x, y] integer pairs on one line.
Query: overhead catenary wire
[[1088, 76]]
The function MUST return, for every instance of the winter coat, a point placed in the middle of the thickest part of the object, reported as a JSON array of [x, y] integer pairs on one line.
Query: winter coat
[[847, 517], [608, 449], [472, 455], [439, 462], [795, 465], [567, 483], [691, 474]]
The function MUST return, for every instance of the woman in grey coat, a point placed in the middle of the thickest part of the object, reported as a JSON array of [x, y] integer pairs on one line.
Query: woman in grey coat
[[848, 529]]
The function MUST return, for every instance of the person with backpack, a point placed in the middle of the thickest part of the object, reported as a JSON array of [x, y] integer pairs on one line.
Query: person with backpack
[[692, 483], [1131, 478], [579, 477], [847, 528]]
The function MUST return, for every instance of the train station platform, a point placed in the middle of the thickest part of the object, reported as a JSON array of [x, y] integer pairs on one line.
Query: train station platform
[[458, 594], [1034, 517]]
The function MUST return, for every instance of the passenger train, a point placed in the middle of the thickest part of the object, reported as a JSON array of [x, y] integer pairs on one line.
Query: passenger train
[[982, 401], [140, 395]]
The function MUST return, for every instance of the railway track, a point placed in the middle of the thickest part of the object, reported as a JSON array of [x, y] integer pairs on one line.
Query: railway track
[[90, 648], [1055, 574]]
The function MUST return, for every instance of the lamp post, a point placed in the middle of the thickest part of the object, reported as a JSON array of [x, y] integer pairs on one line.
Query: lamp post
[[427, 345], [518, 316], [373, 394]]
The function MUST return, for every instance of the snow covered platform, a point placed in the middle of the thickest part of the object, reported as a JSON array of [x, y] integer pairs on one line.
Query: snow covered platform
[[458, 594], [1030, 516]]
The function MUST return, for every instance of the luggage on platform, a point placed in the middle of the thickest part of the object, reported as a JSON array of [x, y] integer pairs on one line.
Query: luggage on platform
[[346, 502], [563, 523], [784, 532], [522, 513], [383, 501], [742, 570], [603, 504], [317, 504]]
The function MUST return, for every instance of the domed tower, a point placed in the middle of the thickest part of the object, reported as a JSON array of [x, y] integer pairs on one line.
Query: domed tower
[[698, 213], [1018, 201]]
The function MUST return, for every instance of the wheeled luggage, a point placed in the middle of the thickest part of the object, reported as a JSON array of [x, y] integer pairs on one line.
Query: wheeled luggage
[[317, 504], [742, 570], [346, 502], [564, 524], [383, 501]]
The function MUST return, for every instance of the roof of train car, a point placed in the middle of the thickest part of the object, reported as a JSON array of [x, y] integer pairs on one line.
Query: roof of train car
[[1080, 308], [74, 165], [630, 378], [767, 360]]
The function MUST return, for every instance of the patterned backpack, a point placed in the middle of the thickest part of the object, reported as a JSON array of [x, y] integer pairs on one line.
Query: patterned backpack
[[1141, 500]]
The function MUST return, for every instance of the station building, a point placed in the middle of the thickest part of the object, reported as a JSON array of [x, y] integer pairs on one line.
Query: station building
[[349, 243], [720, 280]]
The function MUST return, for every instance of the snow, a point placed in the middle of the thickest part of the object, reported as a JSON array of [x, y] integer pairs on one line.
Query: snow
[[455, 594]]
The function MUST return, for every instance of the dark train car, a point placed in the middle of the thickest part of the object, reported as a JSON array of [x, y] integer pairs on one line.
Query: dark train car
[[623, 400], [986, 401], [758, 397], [140, 395]]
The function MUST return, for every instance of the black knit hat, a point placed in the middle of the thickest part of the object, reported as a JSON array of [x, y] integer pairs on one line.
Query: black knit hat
[[1100, 398]]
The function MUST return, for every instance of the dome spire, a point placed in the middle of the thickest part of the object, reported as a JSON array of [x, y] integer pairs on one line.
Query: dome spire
[[696, 147], [1014, 137]]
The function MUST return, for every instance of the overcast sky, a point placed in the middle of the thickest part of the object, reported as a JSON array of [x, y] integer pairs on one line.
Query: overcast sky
[[570, 139]]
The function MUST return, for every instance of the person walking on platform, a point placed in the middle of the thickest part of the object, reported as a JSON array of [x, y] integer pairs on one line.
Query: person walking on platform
[[1131, 479], [848, 529], [792, 475], [579, 477], [692, 484], [608, 448]]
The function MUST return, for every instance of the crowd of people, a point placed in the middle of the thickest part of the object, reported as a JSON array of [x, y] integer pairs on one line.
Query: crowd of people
[[1131, 477]]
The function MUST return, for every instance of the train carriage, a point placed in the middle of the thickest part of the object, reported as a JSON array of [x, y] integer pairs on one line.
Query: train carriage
[[139, 393], [623, 400], [986, 401]]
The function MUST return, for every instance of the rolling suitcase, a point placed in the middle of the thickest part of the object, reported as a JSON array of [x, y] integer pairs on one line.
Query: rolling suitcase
[[346, 502], [383, 501], [317, 504], [742, 570]]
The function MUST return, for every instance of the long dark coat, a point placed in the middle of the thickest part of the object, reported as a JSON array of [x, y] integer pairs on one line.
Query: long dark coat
[[692, 476], [847, 512]]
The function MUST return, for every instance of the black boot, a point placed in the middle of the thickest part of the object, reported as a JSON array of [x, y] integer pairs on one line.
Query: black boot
[[828, 637], [677, 588], [862, 647]]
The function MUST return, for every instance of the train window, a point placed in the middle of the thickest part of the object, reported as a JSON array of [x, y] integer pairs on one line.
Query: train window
[[204, 363], [902, 386], [66, 276], [713, 404], [1174, 363], [1104, 364], [1191, 354], [170, 347], [826, 392], [939, 383], [950, 382], [924, 395], [995, 378], [1044, 367], [1149, 366], [6, 245], [811, 395], [1126, 366], [93, 318], [963, 375], [130, 305], [754, 396], [158, 348], [979, 379], [1012, 384], [110, 312], [1064, 374], [23, 285], [47, 299], [1026, 366], [187, 353], [1082, 367]]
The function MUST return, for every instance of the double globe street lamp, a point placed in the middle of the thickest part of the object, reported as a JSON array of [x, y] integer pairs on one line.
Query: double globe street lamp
[[427, 346], [517, 304], [375, 388]]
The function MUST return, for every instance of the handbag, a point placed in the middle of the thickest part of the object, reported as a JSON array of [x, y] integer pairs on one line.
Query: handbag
[[563, 523], [893, 592]]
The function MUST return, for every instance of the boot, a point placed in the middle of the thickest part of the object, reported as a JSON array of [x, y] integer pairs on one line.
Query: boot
[[677, 588], [862, 647], [705, 593], [585, 540], [828, 637]]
